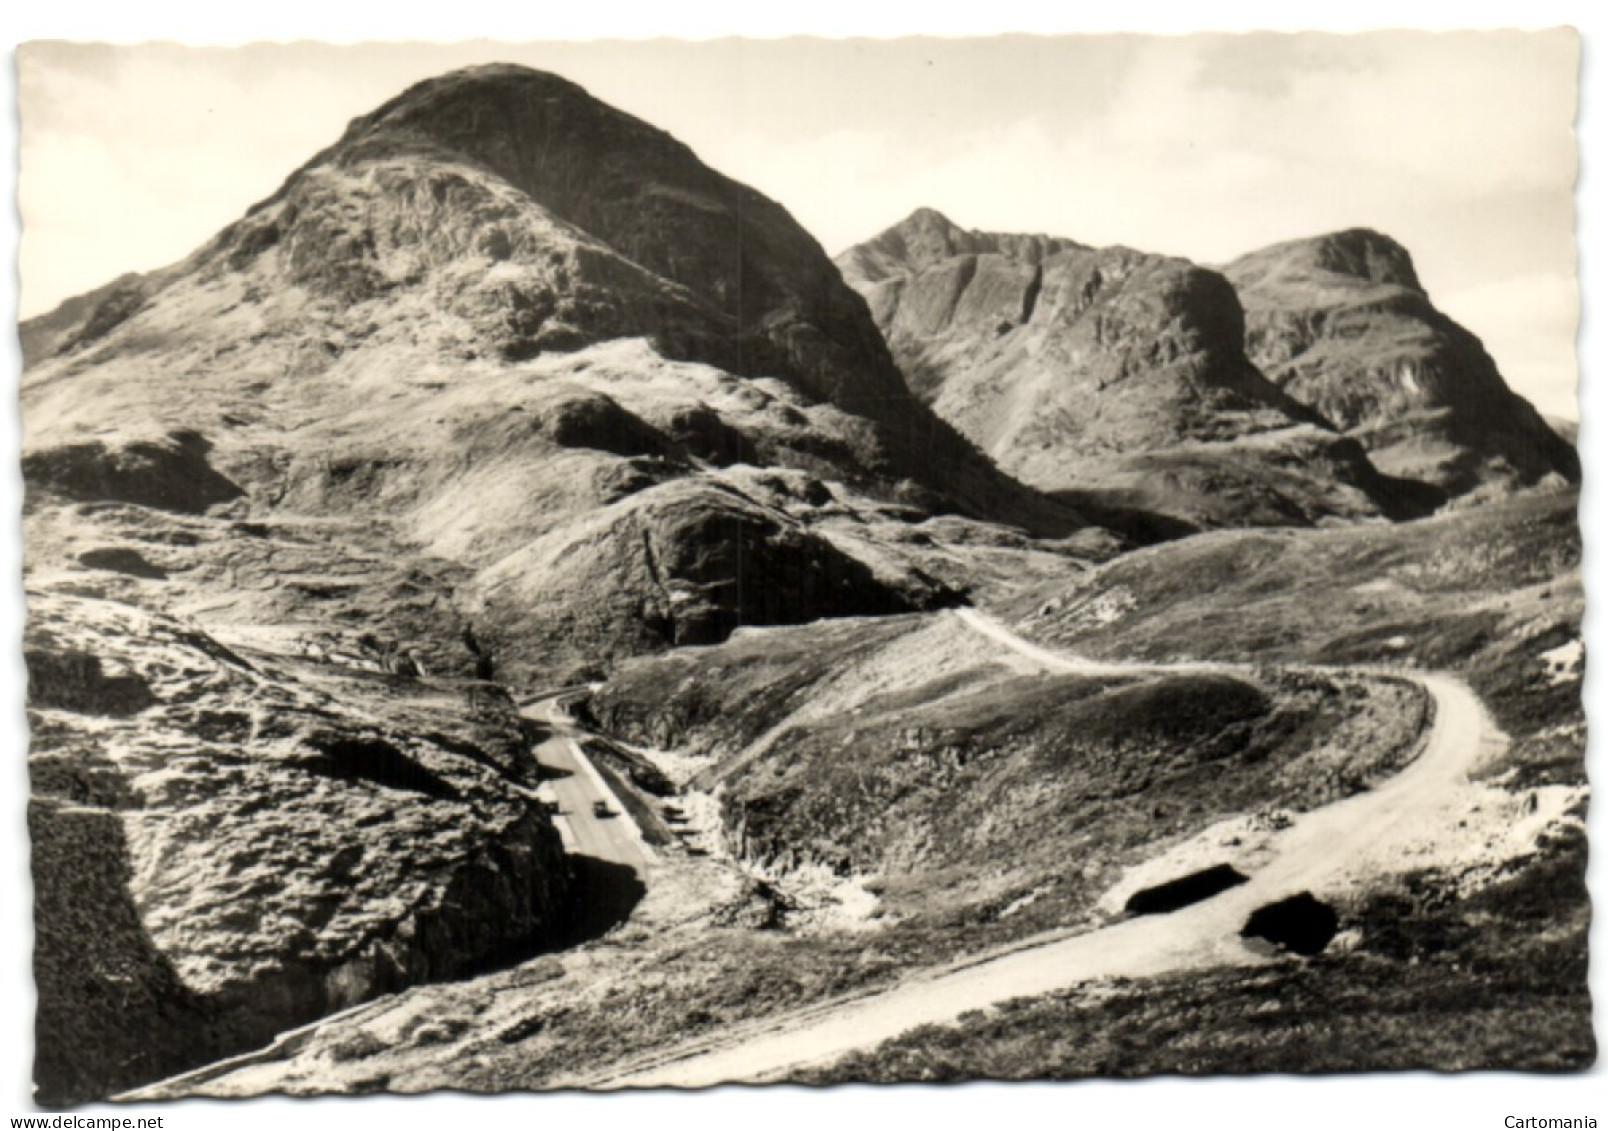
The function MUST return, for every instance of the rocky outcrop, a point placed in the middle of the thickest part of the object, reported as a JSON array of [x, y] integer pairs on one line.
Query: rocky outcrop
[[169, 473], [71, 322], [627, 208], [1040, 349], [928, 238], [227, 844], [1341, 323], [1080, 370]]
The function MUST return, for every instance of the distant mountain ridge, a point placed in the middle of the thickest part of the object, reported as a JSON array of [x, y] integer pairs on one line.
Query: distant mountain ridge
[[1341, 323], [1081, 369]]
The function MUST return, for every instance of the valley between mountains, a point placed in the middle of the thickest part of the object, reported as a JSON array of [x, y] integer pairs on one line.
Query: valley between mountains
[[509, 612]]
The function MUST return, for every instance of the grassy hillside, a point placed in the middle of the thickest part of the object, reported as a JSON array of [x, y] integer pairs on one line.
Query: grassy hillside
[[982, 798]]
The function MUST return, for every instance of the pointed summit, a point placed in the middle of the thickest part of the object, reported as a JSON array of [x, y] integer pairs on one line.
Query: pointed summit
[[552, 220], [926, 237], [1361, 254], [1341, 323]]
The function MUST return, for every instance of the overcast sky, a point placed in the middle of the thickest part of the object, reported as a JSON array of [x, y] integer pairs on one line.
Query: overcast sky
[[1461, 146]]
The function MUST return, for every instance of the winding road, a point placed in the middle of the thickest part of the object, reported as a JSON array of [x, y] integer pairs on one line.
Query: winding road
[[1326, 849]]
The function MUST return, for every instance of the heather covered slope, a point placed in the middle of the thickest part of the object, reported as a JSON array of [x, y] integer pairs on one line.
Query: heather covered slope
[[1342, 323], [1492, 592], [985, 795], [1108, 375], [1475, 955]]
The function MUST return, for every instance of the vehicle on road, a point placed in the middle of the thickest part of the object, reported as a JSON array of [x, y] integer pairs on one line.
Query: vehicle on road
[[601, 809]]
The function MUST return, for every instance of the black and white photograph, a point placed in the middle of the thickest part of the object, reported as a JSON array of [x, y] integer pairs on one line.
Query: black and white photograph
[[592, 565]]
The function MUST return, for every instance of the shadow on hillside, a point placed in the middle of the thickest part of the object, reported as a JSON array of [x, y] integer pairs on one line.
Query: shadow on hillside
[[112, 1010], [602, 896]]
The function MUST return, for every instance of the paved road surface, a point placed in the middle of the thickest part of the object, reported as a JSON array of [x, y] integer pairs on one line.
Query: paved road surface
[[575, 786], [1317, 852]]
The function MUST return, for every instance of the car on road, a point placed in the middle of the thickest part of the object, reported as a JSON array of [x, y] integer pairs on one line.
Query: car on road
[[601, 809]]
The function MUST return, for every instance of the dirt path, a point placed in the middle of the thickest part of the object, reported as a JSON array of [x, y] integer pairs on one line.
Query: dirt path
[[1327, 850]]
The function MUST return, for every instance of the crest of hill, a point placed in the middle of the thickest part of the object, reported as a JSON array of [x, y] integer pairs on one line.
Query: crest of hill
[[1342, 323]]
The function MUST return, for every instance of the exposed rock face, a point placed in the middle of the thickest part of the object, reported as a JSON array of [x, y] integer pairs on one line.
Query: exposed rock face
[[720, 271], [228, 843], [1017, 339], [928, 238], [170, 473], [1341, 323], [71, 322], [1067, 364]]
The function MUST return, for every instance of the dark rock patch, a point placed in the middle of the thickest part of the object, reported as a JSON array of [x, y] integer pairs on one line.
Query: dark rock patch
[[704, 435], [76, 681], [1342, 324], [591, 420], [120, 559], [1184, 891], [113, 1012], [602, 896], [1301, 923]]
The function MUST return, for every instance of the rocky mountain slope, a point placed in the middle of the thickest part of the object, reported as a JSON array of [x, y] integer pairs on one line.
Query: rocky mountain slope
[[228, 842], [506, 390], [1108, 374], [1341, 323], [496, 319]]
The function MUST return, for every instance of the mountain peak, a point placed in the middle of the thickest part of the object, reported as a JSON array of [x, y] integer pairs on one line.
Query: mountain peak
[[550, 219], [926, 219], [1367, 254], [472, 105], [1341, 322]]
